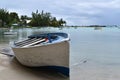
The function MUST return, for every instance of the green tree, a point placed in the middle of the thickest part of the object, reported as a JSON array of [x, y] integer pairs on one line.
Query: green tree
[[23, 17], [45, 19], [13, 17], [4, 17], [54, 22], [62, 22], [24, 20]]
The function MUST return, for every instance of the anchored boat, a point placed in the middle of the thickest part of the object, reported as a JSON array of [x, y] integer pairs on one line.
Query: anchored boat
[[49, 50], [10, 33]]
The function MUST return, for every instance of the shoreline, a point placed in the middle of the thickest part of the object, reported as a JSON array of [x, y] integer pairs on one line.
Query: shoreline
[[3, 28]]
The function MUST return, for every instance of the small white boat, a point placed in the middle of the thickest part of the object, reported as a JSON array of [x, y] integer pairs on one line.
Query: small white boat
[[10, 33], [50, 50]]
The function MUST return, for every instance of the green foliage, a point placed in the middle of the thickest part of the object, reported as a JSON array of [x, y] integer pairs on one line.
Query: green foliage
[[61, 22], [13, 18], [7, 18], [24, 19], [45, 19], [4, 17], [38, 19]]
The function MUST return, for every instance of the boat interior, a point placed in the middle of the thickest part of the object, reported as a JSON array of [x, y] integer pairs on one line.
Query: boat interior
[[40, 39]]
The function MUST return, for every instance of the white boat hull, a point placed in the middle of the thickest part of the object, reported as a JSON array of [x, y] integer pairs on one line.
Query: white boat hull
[[56, 54]]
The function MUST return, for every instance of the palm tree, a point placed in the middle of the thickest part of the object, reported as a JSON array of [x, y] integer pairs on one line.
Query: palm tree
[[4, 17], [61, 22], [13, 16]]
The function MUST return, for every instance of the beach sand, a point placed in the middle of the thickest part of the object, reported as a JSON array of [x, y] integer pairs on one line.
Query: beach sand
[[11, 69]]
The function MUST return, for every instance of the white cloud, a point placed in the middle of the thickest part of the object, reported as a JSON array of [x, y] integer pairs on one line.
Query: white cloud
[[75, 12]]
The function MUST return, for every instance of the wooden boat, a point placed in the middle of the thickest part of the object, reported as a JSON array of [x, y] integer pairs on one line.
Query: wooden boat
[[50, 50]]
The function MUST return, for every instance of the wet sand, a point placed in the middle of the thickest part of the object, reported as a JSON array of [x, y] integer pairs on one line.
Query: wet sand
[[11, 69]]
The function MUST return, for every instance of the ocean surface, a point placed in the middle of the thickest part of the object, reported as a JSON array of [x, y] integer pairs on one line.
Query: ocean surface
[[94, 51]]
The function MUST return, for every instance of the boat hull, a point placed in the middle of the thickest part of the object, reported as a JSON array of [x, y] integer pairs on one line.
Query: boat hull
[[56, 54]]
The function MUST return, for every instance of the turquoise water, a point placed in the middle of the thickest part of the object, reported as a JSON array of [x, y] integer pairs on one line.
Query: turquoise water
[[94, 52]]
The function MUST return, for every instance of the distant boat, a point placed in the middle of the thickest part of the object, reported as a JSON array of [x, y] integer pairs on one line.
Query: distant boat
[[10, 32], [50, 50]]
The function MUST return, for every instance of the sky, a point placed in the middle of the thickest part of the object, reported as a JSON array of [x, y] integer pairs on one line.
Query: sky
[[74, 12]]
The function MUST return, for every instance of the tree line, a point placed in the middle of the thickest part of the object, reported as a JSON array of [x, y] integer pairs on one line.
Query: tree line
[[38, 19]]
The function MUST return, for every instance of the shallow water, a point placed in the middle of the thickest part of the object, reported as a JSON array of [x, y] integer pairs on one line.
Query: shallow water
[[94, 52]]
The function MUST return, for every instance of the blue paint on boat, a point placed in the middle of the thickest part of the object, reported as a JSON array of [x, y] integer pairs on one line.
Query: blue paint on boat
[[60, 69], [49, 38]]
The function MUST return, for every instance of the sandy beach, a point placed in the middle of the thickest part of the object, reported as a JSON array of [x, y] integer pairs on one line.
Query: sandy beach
[[11, 69]]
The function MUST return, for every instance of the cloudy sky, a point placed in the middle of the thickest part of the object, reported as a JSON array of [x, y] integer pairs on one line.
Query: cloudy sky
[[75, 12]]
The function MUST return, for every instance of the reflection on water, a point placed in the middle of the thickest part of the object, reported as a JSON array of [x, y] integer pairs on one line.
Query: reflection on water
[[94, 52]]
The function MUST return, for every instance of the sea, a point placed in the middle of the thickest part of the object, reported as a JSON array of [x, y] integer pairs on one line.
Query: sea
[[94, 51]]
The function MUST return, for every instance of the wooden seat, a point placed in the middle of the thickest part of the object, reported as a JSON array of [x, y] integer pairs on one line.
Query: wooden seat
[[29, 42]]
